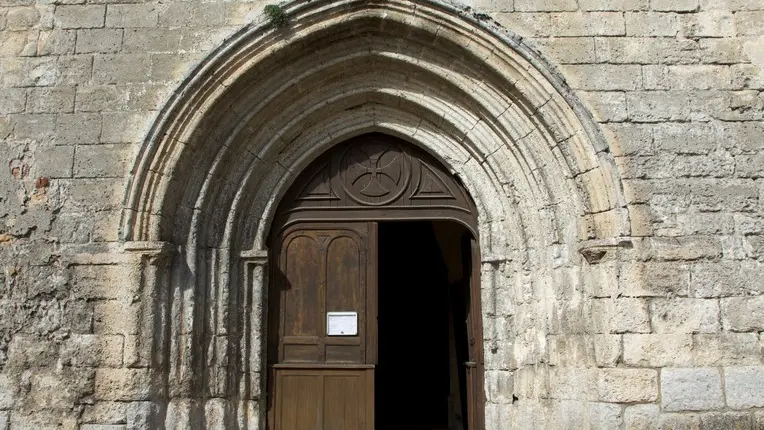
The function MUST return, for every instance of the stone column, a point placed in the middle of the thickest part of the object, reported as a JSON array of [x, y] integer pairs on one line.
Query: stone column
[[252, 391]]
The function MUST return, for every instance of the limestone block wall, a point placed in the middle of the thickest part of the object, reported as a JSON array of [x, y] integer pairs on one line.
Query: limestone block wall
[[664, 329]]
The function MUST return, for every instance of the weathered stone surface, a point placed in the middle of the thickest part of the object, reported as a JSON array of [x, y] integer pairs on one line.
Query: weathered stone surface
[[743, 313], [80, 16], [92, 351], [684, 315], [725, 349], [608, 350], [641, 417], [124, 384], [727, 278], [8, 390], [103, 40], [658, 350], [621, 315], [627, 385], [744, 386], [105, 412], [132, 15], [726, 420], [691, 389]]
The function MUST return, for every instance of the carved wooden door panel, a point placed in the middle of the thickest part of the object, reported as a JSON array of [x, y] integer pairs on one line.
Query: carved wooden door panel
[[323, 327]]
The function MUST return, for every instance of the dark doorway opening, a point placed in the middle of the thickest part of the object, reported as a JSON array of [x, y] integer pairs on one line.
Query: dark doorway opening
[[423, 297]]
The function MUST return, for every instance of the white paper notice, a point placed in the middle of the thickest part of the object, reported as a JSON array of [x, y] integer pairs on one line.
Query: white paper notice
[[341, 323]]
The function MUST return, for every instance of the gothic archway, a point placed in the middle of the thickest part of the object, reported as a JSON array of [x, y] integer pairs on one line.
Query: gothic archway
[[256, 112]]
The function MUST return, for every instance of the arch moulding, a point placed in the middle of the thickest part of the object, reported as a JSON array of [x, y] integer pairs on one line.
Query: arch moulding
[[261, 107]]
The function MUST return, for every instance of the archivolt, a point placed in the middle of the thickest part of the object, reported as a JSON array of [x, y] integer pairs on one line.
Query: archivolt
[[268, 101]]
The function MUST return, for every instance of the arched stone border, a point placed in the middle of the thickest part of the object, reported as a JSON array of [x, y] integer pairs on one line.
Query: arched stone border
[[262, 106]]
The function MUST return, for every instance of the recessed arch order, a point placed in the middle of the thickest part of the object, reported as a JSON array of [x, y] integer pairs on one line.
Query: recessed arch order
[[252, 115]]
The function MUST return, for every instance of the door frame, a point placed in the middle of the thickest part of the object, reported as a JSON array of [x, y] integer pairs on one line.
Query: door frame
[[461, 209]]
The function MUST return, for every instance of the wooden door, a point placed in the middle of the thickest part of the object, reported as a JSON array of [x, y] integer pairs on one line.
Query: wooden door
[[323, 326]]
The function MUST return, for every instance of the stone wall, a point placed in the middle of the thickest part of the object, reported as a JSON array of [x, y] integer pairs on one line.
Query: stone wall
[[660, 325]]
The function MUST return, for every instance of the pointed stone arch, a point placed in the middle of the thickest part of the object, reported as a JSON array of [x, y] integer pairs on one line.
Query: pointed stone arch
[[261, 107]]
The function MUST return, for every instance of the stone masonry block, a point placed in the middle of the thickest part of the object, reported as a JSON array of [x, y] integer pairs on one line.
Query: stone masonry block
[[56, 42], [22, 18], [5, 420], [78, 128], [8, 391], [672, 421], [197, 15], [142, 40], [103, 161], [88, 350], [105, 412], [608, 350], [529, 24], [19, 44], [647, 50], [623, 315], [125, 127], [121, 68], [620, 5], [727, 349], [33, 126], [604, 77], [97, 98], [727, 278], [652, 24], [499, 386], [103, 194], [743, 313], [749, 166], [142, 415], [99, 282], [725, 51], [605, 416], [51, 100], [545, 6], [124, 384], [657, 350], [641, 417], [653, 279], [712, 23], [54, 388], [691, 389], [734, 5], [627, 385], [13, 100], [80, 16], [744, 387], [749, 23], [55, 161], [115, 317], [568, 50], [678, 315], [587, 24], [607, 106], [692, 138], [658, 106], [726, 420], [101, 40], [674, 5], [102, 427], [629, 139], [132, 15], [74, 69], [568, 383]]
